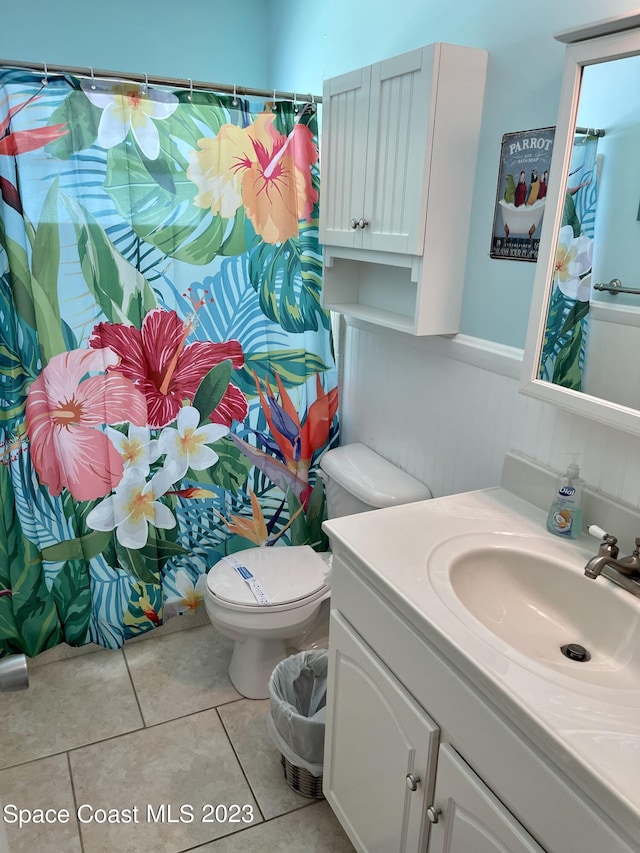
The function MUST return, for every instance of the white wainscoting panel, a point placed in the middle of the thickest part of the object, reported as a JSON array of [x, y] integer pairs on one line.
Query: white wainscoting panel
[[447, 410], [440, 417], [609, 458]]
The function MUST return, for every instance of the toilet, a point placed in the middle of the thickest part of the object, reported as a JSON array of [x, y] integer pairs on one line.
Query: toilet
[[268, 599]]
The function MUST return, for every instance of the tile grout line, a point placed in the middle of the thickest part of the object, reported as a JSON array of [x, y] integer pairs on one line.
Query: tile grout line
[[75, 802], [133, 687], [237, 757], [255, 826], [141, 728]]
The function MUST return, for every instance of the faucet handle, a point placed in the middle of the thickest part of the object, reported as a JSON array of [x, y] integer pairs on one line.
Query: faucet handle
[[599, 533], [608, 544]]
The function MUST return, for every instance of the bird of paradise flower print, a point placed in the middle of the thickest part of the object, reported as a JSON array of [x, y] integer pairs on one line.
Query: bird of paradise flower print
[[167, 382]]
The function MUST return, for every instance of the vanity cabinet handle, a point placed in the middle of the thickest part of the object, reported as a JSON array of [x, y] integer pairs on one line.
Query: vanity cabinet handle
[[433, 814], [412, 782], [363, 223], [354, 223]]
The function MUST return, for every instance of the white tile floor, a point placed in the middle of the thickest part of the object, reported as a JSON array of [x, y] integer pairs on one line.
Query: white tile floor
[[155, 726]]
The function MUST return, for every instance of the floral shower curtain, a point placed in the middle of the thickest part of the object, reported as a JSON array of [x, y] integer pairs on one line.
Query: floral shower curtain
[[167, 381], [564, 347]]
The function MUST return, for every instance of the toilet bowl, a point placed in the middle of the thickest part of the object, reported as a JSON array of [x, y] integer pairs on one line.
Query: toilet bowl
[[269, 599], [294, 583]]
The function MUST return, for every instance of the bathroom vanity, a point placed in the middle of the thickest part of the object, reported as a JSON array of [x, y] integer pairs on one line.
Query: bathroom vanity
[[454, 722]]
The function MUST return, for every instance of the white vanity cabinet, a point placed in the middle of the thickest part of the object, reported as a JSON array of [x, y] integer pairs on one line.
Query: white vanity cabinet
[[399, 143], [381, 761], [401, 716]]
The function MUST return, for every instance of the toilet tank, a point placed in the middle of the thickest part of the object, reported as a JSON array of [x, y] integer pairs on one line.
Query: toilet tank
[[358, 480]]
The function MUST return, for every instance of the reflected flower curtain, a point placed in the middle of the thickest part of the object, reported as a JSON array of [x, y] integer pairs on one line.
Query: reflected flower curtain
[[564, 347], [167, 381]]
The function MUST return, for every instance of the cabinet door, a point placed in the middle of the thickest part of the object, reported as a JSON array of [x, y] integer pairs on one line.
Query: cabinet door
[[472, 818], [401, 105], [345, 114], [379, 745]]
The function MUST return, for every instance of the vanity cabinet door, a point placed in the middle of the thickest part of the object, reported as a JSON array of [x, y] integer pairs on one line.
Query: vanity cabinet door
[[380, 750], [471, 817]]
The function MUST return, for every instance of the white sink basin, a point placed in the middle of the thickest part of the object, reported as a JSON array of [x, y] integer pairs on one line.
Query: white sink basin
[[526, 597]]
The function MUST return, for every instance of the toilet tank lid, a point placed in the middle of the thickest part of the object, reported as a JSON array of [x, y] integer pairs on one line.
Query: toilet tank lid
[[370, 478]]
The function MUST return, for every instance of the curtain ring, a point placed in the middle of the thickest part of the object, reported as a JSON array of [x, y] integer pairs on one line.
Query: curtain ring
[[313, 103], [45, 81], [295, 103], [235, 95], [145, 86], [274, 108], [190, 95], [93, 80]]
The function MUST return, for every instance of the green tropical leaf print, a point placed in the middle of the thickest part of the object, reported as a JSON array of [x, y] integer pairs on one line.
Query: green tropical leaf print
[[306, 527], [137, 564], [83, 548], [45, 264], [288, 280], [166, 219], [20, 273], [293, 366], [29, 620], [230, 471], [566, 371], [158, 552], [211, 389], [72, 594], [123, 293], [82, 119]]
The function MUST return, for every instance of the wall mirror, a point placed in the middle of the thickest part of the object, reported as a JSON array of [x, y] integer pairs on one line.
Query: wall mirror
[[584, 328]]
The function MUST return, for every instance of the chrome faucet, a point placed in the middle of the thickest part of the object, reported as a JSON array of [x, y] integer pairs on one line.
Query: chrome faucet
[[624, 572]]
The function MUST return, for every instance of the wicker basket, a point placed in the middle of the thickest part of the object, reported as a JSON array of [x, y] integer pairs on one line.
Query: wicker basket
[[302, 781]]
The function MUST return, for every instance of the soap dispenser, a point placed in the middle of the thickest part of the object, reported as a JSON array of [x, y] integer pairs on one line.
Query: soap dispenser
[[565, 513]]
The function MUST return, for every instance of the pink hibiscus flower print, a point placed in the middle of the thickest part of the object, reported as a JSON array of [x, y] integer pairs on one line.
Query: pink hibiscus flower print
[[167, 370], [65, 411]]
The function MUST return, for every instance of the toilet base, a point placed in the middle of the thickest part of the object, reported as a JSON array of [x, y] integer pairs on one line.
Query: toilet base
[[252, 662]]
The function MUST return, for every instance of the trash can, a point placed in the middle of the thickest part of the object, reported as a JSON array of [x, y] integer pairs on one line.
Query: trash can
[[296, 721]]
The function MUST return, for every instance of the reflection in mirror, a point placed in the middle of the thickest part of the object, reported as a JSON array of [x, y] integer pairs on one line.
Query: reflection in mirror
[[592, 335]]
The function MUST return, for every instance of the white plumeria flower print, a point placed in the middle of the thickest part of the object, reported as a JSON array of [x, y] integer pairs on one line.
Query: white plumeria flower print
[[126, 106], [189, 597], [573, 260], [186, 446], [137, 448], [134, 505]]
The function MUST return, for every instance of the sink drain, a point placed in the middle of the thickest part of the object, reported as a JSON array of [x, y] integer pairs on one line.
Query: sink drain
[[574, 651]]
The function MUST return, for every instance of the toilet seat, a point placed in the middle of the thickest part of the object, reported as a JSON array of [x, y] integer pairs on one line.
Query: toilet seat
[[290, 576]]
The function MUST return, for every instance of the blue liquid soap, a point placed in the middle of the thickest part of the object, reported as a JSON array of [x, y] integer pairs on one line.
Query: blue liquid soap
[[565, 513]]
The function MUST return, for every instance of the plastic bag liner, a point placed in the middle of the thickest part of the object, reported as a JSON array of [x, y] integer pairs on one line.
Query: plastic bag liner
[[296, 722]]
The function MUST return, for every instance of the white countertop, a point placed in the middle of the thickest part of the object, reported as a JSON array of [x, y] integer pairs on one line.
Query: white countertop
[[589, 731]]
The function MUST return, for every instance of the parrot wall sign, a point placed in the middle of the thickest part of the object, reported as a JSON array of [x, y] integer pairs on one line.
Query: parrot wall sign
[[525, 160]]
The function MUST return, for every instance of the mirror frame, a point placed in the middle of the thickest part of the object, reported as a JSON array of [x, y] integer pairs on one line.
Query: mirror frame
[[614, 38]]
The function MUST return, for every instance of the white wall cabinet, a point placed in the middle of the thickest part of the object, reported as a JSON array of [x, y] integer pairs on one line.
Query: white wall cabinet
[[399, 146], [399, 715]]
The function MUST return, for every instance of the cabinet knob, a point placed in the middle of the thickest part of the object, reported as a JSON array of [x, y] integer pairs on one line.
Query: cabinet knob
[[412, 782], [363, 223], [354, 224], [433, 814]]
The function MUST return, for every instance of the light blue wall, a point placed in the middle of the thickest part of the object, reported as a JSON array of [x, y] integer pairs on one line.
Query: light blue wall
[[210, 40], [295, 46], [522, 93]]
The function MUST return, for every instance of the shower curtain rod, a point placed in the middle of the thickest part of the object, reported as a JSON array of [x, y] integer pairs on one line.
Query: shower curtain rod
[[590, 131], [225, 88]]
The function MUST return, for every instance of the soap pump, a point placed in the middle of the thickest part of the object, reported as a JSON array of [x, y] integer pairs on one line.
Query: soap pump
[[565, 513]]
